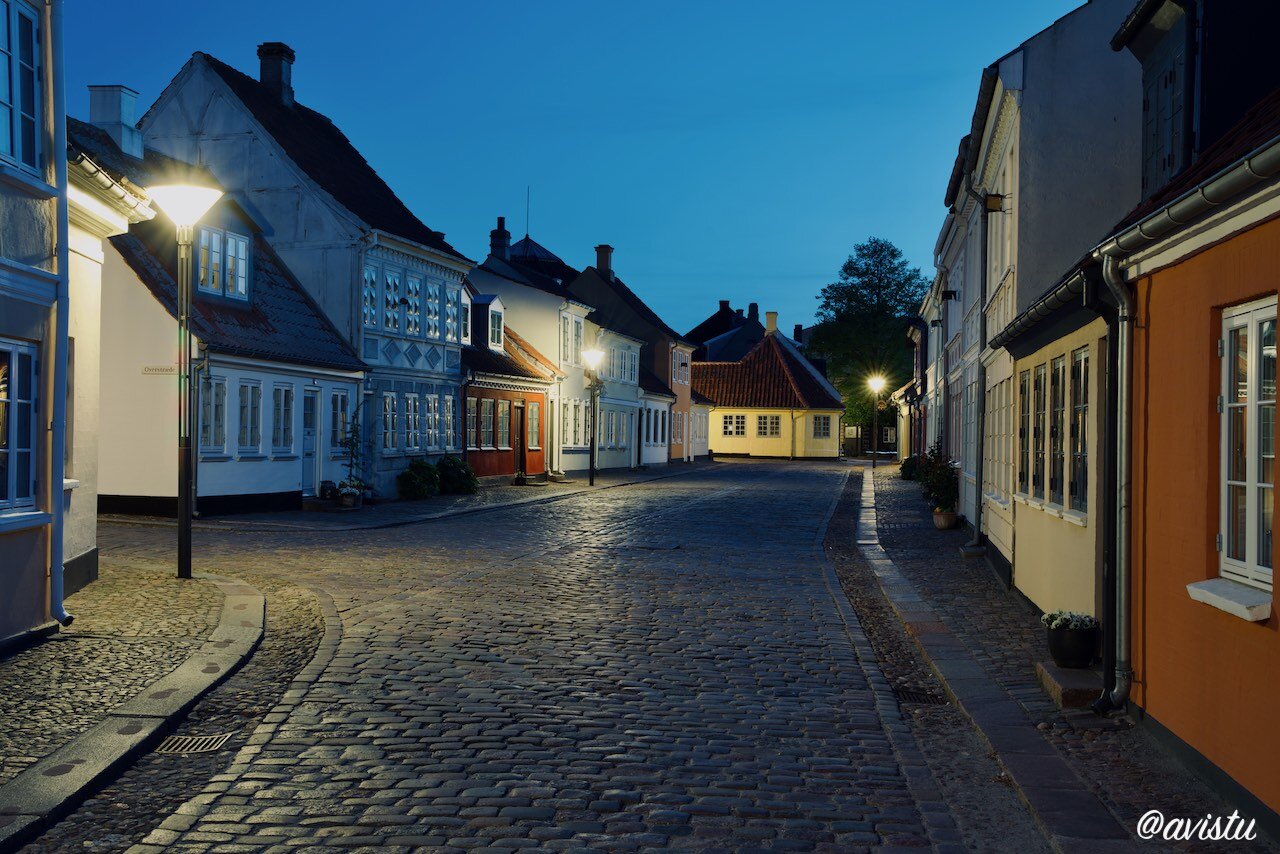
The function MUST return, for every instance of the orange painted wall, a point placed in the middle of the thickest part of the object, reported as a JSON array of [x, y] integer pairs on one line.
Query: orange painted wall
[[1211, 678]]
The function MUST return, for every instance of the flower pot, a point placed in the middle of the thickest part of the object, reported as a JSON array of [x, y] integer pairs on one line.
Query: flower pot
[[349, 500], [944, 520], [1073, 647]]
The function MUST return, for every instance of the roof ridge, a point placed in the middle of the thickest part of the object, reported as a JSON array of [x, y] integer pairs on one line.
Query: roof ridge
[[786, 368]]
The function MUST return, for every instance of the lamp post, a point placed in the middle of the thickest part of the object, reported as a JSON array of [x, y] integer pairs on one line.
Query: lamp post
[[876, 384], [184, 204], [593, 358]]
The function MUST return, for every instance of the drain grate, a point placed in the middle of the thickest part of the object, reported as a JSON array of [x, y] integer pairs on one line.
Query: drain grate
[[915, 695], [193, 743]]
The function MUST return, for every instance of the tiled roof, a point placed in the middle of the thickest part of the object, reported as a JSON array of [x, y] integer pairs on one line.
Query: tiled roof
[[280, 322], [1258, 126], [633, 308], [700, 399], [524, 350], [653, 384], [721, 321], [84, 139], [531, 257], [517, 359], [315, 144], [773, 375]]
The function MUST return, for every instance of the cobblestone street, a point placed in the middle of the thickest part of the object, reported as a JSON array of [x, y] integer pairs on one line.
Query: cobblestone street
[[663, 664]]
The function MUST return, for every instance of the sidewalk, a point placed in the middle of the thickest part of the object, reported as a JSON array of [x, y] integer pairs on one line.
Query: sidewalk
[[1086, 779], [393, 514], [75, 707]]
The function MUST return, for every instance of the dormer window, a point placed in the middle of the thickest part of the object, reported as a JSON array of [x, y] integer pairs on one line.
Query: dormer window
[[224, 263], [495, 329]]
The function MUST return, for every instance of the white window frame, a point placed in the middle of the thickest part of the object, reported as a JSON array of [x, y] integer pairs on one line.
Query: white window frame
[[230, 275], [392, 310], [822, 426], [431, 428], [213, 414], [282, 419], [16, 353], [412, 424], [413, 308], [390, 422], [370, 300], [502, 438], [534, 439], [339, 418], [249, 433], [487, 423], [450, 423], [1249, 570], [22, 153], [495, 328], [473, 423]]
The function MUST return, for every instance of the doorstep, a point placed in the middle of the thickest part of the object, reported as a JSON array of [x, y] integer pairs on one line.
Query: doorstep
[[1069, 687]]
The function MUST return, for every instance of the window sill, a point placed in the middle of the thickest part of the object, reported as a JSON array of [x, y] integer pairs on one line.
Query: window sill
[[1239, 600], [25, 182], [1075, 517], [284, 456], [250, 456], [535, 447], [21, 520], [215, 457], [68, 484], [504, 447]]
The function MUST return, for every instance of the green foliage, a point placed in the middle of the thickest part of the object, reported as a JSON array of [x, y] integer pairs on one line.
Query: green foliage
[[353, 450], [1068, 620], [909, 468], [941, 480], [862, 324], [419, 480], [456, 477]]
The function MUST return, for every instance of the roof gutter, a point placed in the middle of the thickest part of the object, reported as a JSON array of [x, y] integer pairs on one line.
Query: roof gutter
[[130, 201], [1068, 291]]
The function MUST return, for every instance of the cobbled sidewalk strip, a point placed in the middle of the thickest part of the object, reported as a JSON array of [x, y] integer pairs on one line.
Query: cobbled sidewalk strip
[[57, 783], [940, 824], [1072, 816]]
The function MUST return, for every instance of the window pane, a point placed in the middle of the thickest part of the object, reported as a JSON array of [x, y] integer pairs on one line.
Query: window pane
[[1265, 496], [1267, 360], [22, 474], [1236, 521], [1238, 391], [1266, 442], [1237, 436]]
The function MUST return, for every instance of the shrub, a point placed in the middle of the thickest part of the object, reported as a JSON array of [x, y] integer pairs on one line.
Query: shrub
[[909, 469], [942, 481], [1068, 620], [456, 477], [419, 480]]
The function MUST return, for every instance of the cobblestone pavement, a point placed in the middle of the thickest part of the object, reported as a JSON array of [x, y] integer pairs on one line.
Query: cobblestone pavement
[[1128, 770], [133, 625], [660, 665]]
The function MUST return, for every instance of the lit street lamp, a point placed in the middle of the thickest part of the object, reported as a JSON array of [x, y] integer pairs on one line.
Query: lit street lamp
[[876, 384], [184, 204], [593, 358]]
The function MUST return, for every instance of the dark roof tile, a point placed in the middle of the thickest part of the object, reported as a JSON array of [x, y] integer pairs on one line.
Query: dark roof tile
[[771, 376]]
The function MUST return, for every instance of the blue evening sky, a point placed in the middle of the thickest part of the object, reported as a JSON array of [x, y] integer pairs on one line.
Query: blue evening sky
[[726, 150]]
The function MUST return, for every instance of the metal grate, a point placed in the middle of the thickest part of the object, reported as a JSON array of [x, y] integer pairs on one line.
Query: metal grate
[[193, 743], [915, 695]]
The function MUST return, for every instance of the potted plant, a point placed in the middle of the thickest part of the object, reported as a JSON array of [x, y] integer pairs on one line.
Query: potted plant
[[1073, 637], [351, 492], [352, 489], [942, 485]]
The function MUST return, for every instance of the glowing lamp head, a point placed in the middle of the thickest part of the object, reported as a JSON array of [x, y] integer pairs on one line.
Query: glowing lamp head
[[593, 357], [876, 384], [184, 203]]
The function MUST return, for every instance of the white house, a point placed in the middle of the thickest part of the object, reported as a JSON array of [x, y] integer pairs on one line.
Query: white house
[[391, 285]]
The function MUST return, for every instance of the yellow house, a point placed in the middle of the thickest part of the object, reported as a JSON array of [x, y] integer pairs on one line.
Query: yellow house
[[770, 403]]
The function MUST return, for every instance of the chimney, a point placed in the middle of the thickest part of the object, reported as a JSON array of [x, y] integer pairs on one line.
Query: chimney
[[276, 70], [604, 260], [724, 305], [770, 322], [738, 312], [799, 333], [111, 108], [753, 311], [500, 240]]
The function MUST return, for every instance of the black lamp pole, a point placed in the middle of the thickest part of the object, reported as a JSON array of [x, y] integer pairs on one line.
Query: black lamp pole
[[186, 398]]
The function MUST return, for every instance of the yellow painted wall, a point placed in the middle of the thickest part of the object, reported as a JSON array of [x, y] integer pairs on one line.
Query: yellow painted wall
[[796, 439], [1057, 563]]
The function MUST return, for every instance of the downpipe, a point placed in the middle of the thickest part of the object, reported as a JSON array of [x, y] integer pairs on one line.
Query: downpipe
[[58, 425], [975, 547], [1116, 697]]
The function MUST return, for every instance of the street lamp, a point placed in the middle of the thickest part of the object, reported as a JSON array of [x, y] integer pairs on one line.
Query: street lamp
[[593, 358], [184, 204], [876, 384]]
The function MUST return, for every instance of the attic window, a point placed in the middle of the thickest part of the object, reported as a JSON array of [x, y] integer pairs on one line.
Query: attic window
[[224, 263], [495, 328]]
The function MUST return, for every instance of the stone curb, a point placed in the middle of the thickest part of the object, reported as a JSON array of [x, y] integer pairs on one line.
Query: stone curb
[[47, 791], [285, 528], [1069, 814], [940, 827], [189, 813]]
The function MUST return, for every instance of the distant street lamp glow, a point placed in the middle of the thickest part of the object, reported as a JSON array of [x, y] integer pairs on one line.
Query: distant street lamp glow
[[876, 384], [184, 203], [593, 358]]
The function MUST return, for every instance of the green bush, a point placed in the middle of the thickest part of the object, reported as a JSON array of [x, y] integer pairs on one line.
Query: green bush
[[419, 480], [941, 481], [909, 469], [456, 477]]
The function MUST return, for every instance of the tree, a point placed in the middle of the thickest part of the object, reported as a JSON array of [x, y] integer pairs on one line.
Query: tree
[[861, 323]]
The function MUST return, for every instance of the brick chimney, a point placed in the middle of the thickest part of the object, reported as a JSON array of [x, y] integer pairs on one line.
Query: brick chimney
[[275, 70], [799, 333], [724, 305], [604, 260], [111, 108], [500, 240], [753, 311], [770, 322]]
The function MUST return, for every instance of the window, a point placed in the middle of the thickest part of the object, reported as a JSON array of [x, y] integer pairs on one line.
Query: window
[[390, 422], [577, 340], [224, 263], [662, 437], [213, 414], [677, 428], [1079, 486], [486, 422], [1037, 430], [680, 367], [369, 298], [465, 323], [412, 424], [624, 419], [735, 425], [20, 90], [391, 301], [282, 419], [566, 345], [495, 328], [1057, 418], [433, 310], [18, 390], [564, 422], [769, 426], [472, 415], [1024, 435], [250, 438], [431, 429], [535, 425], [413, 306], [450, 425], [1248, 431], [822, 426], [633, 367], [452, 299], [504, 424], [577, 423], [611, 429], [338, 418]]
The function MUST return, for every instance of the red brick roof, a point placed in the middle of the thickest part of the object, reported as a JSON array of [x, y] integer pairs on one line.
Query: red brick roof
[[771, 376]]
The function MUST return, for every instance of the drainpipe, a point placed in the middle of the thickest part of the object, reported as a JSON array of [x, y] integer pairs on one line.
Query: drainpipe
[[58, 439], [1115, 698], [975, 548]]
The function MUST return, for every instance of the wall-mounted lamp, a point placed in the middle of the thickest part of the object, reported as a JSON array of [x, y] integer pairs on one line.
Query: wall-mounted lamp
[[950, 293], [995, 203]]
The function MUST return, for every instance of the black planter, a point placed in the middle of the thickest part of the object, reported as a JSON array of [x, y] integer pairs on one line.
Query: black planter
[[1073, 647]]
